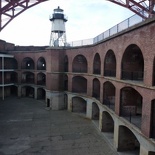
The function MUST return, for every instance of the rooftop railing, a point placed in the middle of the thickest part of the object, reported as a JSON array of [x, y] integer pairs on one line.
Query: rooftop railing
[[131, 21]]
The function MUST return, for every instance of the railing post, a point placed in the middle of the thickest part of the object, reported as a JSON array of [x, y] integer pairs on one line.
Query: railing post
[[117, 28], [128, 22]]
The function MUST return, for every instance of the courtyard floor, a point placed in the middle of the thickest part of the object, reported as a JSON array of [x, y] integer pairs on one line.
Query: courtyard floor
[[28, 128]]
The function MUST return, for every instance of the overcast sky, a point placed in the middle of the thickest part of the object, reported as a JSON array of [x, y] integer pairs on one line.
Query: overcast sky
[[86, 19]]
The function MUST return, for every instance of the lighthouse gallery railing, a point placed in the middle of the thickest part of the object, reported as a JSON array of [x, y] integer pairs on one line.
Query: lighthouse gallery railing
[[133, 20]]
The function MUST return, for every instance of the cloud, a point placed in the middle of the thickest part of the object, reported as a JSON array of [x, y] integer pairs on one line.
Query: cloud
[[86, 19]]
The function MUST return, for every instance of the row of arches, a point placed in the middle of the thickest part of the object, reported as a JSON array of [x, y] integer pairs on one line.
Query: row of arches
[[27, 63], [132, 64], [25, 91], [131, 101], [127, 140], [28, 91], [26, 77], [29, 77]]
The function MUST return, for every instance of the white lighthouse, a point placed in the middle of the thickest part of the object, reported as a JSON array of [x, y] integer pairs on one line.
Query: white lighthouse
[[58, 32]]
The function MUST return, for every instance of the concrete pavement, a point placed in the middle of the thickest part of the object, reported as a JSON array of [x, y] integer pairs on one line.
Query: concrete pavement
[[28, 128]]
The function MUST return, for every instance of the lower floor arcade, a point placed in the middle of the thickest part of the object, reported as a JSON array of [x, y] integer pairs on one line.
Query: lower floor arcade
[[23, 91], [123, 135]]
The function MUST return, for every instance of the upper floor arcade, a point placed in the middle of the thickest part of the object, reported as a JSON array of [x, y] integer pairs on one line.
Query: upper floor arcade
[[128, 66]]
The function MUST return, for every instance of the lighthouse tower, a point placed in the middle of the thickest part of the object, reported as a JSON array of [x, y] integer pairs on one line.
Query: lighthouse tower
[[58, 32]]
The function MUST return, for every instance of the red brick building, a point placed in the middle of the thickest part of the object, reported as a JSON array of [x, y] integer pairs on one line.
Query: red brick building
[[111, 82]]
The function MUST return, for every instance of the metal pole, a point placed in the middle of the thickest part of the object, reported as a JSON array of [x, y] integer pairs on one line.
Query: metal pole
[[3, 78]]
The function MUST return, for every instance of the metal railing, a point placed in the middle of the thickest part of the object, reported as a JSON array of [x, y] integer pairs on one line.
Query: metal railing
[[80, 70], [96, 95], [96, 71], [133, 20], [111, 73], [129, 113], [41, 82], [135, 75], [109, 104], [28, 81]]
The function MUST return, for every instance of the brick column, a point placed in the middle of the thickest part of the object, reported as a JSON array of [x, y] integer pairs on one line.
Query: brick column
[[117, 100], [146, 116], [19, 91], [35, 93], [70, 102], [89, 86], [89, 109]]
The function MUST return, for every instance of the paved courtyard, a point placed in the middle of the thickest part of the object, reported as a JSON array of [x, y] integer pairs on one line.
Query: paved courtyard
[[28, 128]]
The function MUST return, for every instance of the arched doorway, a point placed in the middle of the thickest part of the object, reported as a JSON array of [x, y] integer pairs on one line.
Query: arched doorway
[[97, 64], [152, 124], [79, 84], [41, 64], [109, 95], [153, 78], [96, 89], [41, 79], [107, 122], [27, 63], [41, 94], [28, 77], [95, 111], [110, 64], [132, 64], [127, 141], [28, 91], [10, 63], [66, 63], [65, 101], [65, 82], [107, 126], [131, 105], [14, 90], [79, 105], [79, 64], [14, 77]]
